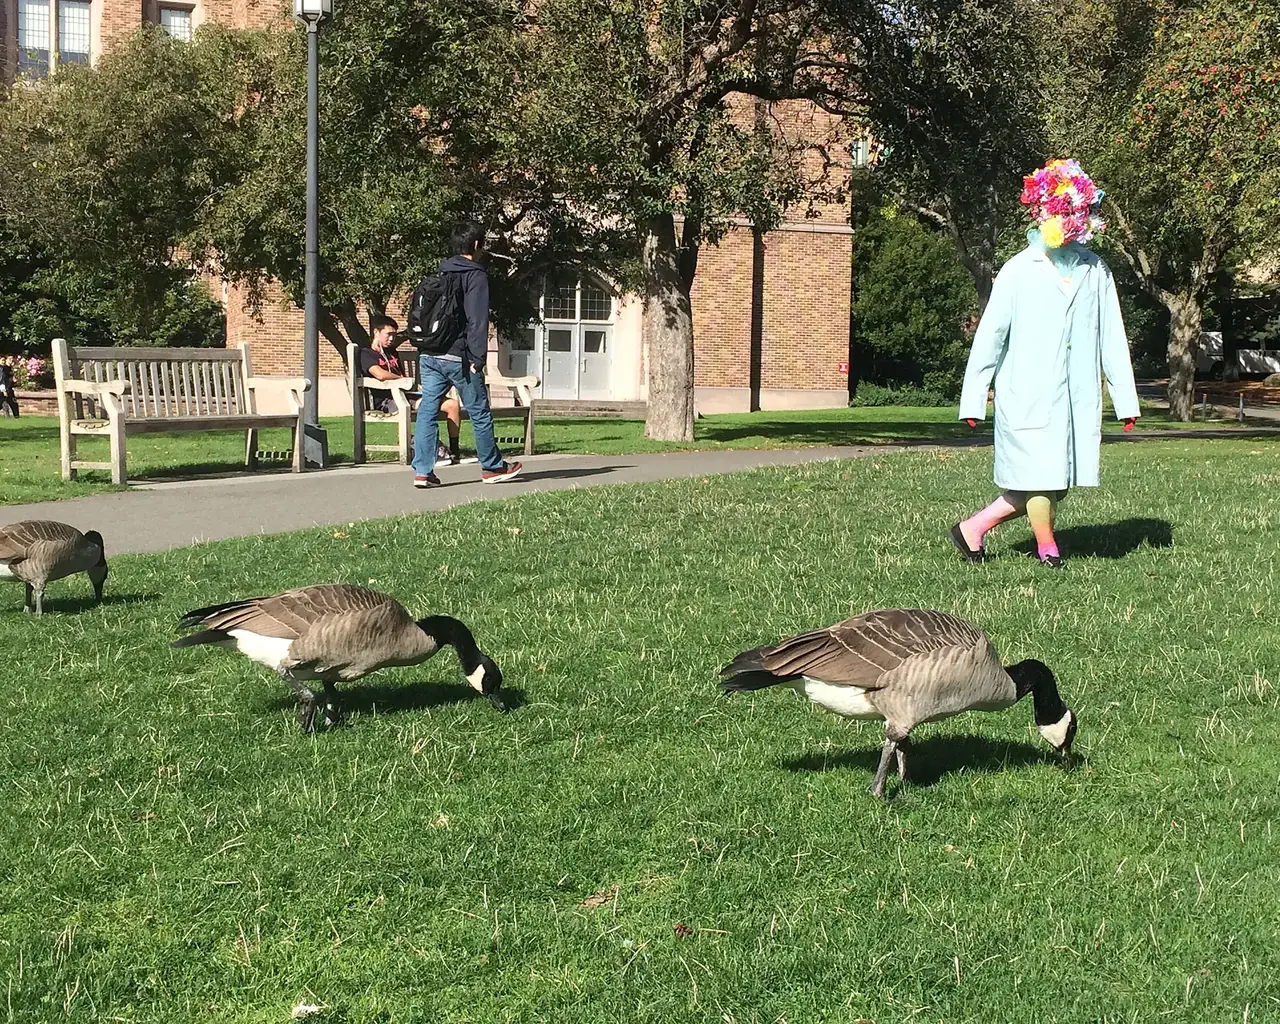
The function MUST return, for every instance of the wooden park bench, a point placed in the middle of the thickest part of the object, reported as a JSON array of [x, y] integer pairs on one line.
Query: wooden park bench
[[404, 393], [115, 392]]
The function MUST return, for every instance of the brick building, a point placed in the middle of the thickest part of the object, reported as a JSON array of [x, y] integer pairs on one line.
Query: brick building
[[771, 310]]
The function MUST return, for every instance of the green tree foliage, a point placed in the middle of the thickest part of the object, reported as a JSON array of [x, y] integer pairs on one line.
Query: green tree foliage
[[914, 304], [422, 112], [657, 116], [949, 88], [105, 176], [1175, 108], [116, 166]]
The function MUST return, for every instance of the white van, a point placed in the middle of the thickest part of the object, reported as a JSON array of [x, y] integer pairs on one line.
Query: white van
[[1209, 362]]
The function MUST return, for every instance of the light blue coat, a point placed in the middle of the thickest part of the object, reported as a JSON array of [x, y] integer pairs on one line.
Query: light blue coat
[[1048, 343]]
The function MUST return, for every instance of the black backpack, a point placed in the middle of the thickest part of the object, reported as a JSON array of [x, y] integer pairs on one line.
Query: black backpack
[[436, 319]]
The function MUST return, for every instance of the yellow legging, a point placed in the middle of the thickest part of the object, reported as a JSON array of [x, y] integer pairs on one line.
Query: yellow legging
[[1041, 511]]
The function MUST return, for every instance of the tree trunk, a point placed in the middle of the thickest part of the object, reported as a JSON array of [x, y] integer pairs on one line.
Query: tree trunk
[[1186, 311], [668, 328]]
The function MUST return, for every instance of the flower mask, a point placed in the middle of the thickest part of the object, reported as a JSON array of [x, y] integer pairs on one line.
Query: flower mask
[[1064, 202]]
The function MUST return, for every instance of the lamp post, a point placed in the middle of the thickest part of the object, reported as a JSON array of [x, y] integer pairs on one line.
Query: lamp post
[[316, 443]]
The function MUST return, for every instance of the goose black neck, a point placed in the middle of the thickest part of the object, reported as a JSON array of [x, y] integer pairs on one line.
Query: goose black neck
[[1035, 678], [449, 631]]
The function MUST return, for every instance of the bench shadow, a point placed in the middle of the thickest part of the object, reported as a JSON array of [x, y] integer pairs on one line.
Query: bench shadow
[[388, 698], [29, 432], [1108, 540], [930, 760]]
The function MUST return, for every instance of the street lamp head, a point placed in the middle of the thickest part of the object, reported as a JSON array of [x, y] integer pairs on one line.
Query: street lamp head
[[312, 10]]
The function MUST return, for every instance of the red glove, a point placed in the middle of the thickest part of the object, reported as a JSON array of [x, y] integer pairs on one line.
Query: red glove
[[1128, 424], [972, 423]]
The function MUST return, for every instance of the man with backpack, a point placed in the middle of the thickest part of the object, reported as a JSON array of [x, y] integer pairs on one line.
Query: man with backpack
[[449, 325]]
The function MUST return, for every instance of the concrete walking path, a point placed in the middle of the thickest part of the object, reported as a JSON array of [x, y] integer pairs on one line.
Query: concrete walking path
[[158, 516], [150, 517]]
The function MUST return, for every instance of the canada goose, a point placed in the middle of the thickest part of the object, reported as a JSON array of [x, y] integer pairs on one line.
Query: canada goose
[[335, 632], [905, 666], [39, 550]]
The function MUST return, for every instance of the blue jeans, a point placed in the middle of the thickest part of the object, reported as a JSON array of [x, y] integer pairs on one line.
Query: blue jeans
[[435, 377]]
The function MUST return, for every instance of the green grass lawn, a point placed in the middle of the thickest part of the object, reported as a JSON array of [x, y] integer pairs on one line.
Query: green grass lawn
[[177, 851], [29, 446]]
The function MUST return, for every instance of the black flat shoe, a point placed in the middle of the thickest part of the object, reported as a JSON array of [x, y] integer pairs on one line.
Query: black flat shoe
[[957, 538], [1053, 562]]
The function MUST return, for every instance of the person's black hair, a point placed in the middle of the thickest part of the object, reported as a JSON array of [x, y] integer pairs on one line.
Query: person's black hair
[[380, 320], [465, 236]]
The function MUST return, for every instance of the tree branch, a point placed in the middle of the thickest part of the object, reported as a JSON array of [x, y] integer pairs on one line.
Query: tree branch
[[1127, 242], [329, 328]]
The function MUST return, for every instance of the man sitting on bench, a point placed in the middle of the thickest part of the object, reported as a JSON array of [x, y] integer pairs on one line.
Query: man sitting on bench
[[381, 362]]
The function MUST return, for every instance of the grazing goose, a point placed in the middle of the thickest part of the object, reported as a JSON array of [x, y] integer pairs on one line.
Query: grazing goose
[[335, 632], [38, 551], [905, 666]]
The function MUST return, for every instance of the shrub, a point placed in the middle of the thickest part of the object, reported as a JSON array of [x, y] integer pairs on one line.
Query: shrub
[[870, 395], [29, 372], [914, 306]]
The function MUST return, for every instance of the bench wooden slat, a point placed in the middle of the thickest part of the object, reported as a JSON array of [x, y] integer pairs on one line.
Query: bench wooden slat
[[191, 355], [169, 390]]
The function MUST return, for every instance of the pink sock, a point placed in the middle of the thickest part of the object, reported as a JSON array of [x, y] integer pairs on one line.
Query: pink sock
[[976, 526]]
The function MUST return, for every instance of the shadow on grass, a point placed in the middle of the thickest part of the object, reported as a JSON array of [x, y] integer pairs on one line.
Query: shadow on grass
[[929, 760], [388, 698], [1108, 540], [562, 474], [835, 431], [31, 432], [85, 603]]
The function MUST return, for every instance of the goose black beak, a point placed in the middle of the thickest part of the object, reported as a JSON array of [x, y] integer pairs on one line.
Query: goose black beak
[[497, 702]]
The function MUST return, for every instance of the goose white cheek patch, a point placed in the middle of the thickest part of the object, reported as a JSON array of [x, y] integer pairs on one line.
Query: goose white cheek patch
[[476, 679], [1056, 734]]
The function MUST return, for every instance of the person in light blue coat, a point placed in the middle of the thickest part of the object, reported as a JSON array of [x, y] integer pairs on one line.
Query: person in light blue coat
[[1051, 330]]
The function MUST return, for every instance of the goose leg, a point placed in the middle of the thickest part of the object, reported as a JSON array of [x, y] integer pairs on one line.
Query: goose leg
[[39, 602], [306, 707], [882, 772], [904, 745], [332, 713], [28, 598]]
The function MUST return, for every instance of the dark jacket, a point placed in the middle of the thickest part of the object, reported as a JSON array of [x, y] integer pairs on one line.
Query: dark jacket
[[473, 346]]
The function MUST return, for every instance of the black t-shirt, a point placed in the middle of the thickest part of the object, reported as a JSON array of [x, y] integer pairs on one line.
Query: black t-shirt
[[371, 357], [389, 361]]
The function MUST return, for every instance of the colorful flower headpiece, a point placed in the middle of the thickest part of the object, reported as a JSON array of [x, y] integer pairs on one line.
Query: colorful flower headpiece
[[1064, 203]]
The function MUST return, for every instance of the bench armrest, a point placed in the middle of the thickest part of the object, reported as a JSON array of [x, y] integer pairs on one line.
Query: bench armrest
[[519, 387], [298, 386], [395, 384], [73, 385]]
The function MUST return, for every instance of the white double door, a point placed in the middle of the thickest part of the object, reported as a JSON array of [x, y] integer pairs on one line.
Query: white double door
[[576, 361]]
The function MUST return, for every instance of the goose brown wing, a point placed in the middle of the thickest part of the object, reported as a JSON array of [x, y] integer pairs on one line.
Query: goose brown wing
[[360, 640], [862, 650], [17, 540], [293, 613]]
